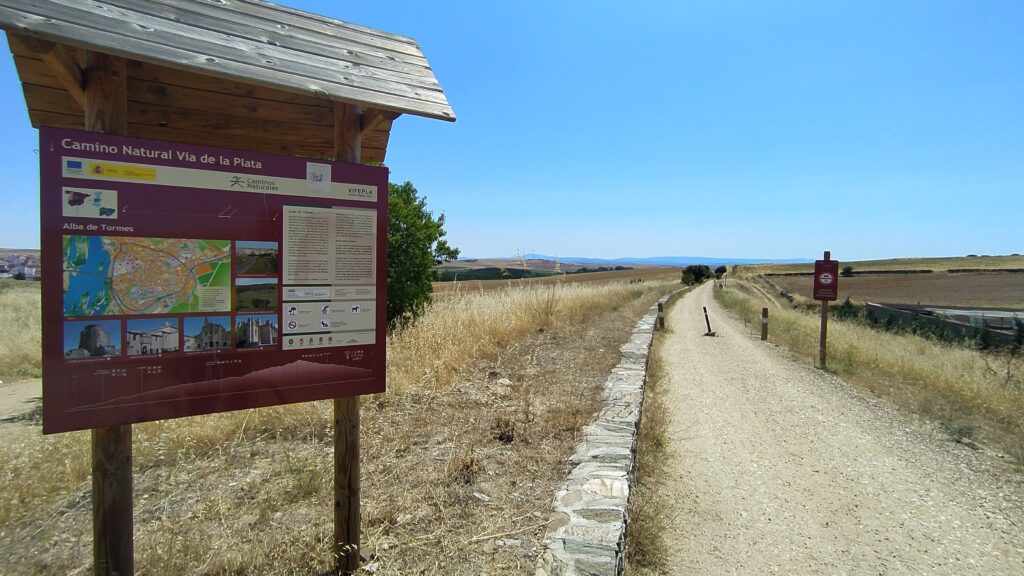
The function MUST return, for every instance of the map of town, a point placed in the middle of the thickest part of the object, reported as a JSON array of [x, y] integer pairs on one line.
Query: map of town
[[110, 275]]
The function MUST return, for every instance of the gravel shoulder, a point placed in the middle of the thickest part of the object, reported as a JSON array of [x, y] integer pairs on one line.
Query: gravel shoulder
[[777, 467]]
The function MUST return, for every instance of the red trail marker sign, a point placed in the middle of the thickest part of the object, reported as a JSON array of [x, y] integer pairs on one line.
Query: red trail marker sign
[[826, 289], [826, 280]]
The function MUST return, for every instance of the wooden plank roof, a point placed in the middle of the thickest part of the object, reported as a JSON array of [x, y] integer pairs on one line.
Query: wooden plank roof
[[250, 41]]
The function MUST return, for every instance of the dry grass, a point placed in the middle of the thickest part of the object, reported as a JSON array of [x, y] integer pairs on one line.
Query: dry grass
[[19, 330], [960, 388], [460, 458], [478, 323], [649, 509], [644, 274]]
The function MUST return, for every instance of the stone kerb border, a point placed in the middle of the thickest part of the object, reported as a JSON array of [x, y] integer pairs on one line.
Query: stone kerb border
[[586, 536]]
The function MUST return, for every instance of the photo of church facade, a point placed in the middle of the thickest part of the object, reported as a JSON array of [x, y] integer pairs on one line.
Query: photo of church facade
[[256, 330], [207, 333], [143, 339]]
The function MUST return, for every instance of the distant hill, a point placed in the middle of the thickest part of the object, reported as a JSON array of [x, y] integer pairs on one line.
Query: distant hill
[[658, 260]]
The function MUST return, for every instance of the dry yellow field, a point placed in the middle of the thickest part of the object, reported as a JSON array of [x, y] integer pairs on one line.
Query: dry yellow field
[[936, 264], [645, 274], [992, 290]]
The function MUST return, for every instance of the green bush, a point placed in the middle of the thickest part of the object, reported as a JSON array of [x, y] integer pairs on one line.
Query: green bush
[[845, 311], [416, 245]]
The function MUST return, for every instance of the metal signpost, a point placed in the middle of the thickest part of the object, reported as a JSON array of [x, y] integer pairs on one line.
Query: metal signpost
[[826, 289]]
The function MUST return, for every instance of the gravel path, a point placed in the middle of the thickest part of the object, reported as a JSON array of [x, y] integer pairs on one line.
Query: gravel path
[[779, 468]]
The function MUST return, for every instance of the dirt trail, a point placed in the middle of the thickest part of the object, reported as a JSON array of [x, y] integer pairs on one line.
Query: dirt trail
[[779, 468], [16, 398]]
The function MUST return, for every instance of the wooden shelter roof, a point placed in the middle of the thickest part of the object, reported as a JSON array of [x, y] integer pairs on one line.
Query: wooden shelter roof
[[235, 73]]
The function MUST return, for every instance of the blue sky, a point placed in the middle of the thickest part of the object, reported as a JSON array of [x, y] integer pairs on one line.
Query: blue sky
[[726, 129]]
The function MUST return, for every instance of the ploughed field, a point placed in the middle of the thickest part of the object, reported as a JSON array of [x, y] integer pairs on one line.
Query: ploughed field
[[988, 290]]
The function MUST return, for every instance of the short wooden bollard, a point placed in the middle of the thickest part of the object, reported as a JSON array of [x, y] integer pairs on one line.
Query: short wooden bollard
[[661, 316], [764, 323], [708, 322]]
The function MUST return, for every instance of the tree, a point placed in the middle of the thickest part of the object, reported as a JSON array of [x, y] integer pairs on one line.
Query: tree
[[696, 273], [415, 245], [847, 271], [720, 271]]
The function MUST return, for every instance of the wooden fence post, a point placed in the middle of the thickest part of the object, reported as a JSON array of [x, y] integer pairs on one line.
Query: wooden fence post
[[347, 148], [824, 334], [113, 547], [661, 316], [764, 323]]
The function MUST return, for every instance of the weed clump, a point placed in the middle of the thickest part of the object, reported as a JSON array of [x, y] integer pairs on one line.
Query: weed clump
[[504, 430]]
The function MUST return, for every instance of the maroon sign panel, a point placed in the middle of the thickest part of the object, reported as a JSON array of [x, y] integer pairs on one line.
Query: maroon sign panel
[[826, 280], [181, 280]]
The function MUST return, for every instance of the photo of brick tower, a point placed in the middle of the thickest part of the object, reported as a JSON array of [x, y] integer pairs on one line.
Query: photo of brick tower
[[92, 339]]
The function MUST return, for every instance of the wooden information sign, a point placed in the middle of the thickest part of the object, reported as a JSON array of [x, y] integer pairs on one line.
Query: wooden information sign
[[203, 79], [183, 280]]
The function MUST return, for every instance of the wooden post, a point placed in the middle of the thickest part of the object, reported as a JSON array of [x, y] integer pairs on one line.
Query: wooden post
[[661, 316], [106, 110], [764, 323], [824, 326], [347, 148], [346, 484], [708, 322], [824, 334]]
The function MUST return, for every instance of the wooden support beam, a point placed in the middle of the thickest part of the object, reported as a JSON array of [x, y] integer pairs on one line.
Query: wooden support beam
[[64, 66], [106, 94], [348, 121], [370, 120], [60, 61], [373, 118], [106, 110], [348, 133]]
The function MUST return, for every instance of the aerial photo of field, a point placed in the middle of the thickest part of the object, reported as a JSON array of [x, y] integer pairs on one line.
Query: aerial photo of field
[[253, 294]]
